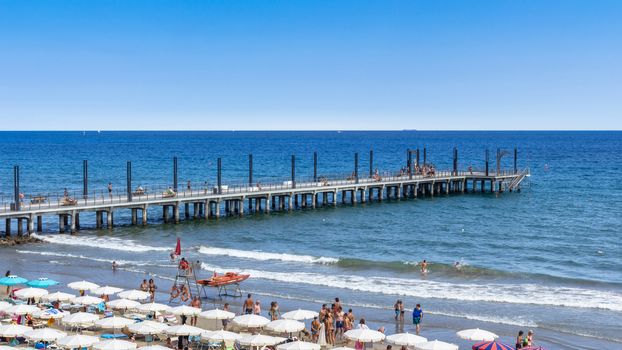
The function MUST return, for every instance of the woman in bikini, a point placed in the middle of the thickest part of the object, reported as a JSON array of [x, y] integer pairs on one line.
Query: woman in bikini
[[152, 289]]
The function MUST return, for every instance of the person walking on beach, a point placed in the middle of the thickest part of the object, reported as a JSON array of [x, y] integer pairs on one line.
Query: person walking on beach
[[247, 307], [152, 289], [417, 316], [519, 340], [196, 302]]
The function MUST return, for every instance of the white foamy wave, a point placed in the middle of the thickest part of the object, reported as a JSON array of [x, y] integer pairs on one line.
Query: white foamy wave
[[99, 242], [84, 257], [500, 293], [263, 256]]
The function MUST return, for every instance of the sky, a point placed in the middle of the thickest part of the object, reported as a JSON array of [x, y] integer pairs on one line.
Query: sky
[[310, 65]]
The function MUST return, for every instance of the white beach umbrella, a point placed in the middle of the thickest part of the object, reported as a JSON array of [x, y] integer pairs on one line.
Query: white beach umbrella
[[28, 293], [114, 344], [342, 348], [364, 335], [154, 347], [436, 345], [285, 326], [300, 315], [4, 305], [477, 334], [87, 300], [153, 307], [123, 304], [147, 327], [77, 341], [405, 339], [217, 314], [44, 334], [58, 296], [83, 285], [134, 294], [50, 313], [21, 309], [106, 290], [184, 330], [80, 319], [185, 310], [298, 345], [259, 340], [250, 321], [220, 335], [13, 330], [114, 322]]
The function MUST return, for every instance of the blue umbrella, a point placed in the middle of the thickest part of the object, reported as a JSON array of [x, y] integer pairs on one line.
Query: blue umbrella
[[42, 282], [12, 280]]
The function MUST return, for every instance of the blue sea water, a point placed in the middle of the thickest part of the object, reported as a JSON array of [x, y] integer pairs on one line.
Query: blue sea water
[[548, 257]]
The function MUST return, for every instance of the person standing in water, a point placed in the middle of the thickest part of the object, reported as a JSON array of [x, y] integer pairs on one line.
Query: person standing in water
[[248, 305], [424, 266], [417, 316]]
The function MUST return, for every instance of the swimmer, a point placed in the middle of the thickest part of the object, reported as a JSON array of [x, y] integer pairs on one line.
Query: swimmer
[[458, 265], [114, 266], [424, 266]]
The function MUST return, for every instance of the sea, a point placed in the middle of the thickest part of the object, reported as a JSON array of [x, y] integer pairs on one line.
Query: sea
[[547, 258]]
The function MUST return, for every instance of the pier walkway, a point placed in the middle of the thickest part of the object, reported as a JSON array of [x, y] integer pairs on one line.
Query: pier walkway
[[223, 199]]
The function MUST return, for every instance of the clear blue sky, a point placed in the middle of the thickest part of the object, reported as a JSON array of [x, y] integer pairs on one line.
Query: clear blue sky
[[296, 64]]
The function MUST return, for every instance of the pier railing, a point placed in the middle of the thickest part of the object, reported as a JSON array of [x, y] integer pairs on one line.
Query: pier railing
[[162, 191]]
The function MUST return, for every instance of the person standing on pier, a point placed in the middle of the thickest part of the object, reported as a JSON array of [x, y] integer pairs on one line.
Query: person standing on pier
[[189, 187], [110, 190]]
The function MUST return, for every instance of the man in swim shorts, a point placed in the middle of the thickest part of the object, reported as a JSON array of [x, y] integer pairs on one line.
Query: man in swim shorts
[[417, 316]]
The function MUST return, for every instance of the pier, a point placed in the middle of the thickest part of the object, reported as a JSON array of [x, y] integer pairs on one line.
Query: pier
[[413, 180]]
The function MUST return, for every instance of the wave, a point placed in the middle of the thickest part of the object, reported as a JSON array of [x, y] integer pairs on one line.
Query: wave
[[264, 256], [99, 242], [84, 257], [527, 293]]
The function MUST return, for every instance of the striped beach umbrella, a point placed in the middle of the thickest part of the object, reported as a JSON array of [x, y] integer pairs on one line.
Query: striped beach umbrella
[[492, 345]]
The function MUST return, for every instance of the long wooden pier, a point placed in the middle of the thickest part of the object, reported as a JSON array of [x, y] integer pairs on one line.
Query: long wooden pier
[[224, 200]]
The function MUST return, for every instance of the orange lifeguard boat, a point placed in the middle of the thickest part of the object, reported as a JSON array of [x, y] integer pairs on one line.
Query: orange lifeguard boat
[[224, 279]]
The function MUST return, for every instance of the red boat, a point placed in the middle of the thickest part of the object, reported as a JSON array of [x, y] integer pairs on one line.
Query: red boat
[[223, 280]]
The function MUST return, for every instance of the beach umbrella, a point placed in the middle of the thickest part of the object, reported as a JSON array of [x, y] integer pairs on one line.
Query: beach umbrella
[[114, 344], [491, 345], [12, 280], [259, 340], [77, 341], [50, 313], [184, 330], [185, 310], [298, 345], [147, 327], [106, 290], [134, 295], [364, 335], [220, 335], [87, 300], [114, 322], [285, 326], [4, 305], [477, 334], [154, 347], [13, 330], [405, 339], [44, 334], [42, 282], [436, 345], [21, 309], [300, 315], [250, 321], [28, 293], [83, 285], [80, 319], [153, 307], [123, 304], [217, 314], [58, 296]]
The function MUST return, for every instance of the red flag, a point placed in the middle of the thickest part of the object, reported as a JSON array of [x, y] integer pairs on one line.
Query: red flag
[[178, 247]]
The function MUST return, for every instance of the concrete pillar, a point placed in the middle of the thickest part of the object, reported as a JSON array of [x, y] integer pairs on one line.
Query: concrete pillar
[[241, 206], [134, 216], [110, 219], [398, 191], [77, 221], [72, 227], [492, 186], [165, 213], [31, 224], [187, 210], [195, 210], [61, 223], [447, 186], [144, 214], [268, 203], [98, 219], [66, 220], [313, 200], [39, 223], [289, 201], [176, 212], [20, 226], [353, 199], [217, 207]]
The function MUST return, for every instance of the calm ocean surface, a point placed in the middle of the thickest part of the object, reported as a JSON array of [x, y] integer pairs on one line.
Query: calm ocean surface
[[548, 258]]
